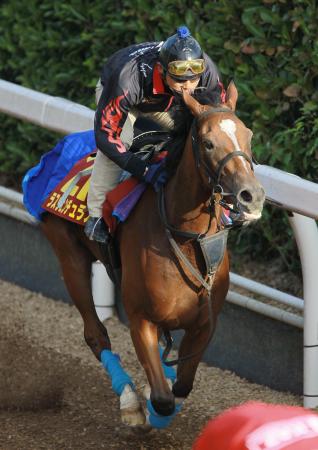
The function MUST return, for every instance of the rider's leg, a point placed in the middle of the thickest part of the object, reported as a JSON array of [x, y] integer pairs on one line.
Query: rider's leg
[[104, 178]]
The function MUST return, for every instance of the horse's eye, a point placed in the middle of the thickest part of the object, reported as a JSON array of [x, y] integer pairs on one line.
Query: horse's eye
[[208, 145]]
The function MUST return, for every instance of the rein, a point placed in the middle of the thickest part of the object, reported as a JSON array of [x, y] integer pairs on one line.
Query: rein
[[216, 198]]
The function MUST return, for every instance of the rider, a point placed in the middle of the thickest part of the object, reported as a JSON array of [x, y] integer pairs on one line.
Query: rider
[[143, 79]]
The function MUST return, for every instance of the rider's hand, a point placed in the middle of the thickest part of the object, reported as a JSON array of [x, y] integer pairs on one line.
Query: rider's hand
[[156, 175]]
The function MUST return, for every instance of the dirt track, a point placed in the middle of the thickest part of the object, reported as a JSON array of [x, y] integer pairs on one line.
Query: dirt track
[[54, 395]]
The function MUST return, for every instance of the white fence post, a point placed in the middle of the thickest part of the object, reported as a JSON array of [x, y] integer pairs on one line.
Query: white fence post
[[103, 291], [306, 234]]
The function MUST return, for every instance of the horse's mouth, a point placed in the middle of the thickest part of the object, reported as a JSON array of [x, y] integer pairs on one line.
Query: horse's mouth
[[248, 217]]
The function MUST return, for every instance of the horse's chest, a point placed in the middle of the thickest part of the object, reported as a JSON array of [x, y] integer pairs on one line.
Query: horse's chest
[[175, 283], [175, 298]]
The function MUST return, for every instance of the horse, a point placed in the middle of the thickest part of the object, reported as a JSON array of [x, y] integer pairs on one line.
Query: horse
[[166, 283]]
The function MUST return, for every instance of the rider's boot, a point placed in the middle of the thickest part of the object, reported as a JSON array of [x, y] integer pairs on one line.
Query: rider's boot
[[96, 230]]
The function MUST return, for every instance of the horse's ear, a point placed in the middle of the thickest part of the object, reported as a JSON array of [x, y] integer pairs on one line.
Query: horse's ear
[[249, 137], [195, 107], [231, 96]]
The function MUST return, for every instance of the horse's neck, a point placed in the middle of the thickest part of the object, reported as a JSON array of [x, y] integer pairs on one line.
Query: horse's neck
[[186, 198]]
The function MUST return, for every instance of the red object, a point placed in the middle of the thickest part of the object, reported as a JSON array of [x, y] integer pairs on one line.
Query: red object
[[260, 426]]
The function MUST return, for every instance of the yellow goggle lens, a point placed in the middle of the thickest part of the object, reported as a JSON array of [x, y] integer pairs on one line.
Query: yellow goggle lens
[[180, 68]]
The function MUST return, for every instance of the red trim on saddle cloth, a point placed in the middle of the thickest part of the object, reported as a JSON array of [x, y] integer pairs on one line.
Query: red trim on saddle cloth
[[74, 207], [113, 198]]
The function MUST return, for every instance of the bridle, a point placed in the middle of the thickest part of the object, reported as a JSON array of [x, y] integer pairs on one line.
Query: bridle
[[217, 194], [214, 179]]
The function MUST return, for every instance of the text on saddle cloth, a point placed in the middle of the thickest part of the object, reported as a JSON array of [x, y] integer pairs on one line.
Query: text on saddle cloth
[[69, 198]]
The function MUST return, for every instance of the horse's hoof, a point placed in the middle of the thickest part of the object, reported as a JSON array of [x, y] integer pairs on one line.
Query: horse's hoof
[[130, 408], [146, 392], [163, 407], [133, 417], [142, 429]]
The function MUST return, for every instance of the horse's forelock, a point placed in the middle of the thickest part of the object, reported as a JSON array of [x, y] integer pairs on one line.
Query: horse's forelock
[[208, 97], [183, 123]]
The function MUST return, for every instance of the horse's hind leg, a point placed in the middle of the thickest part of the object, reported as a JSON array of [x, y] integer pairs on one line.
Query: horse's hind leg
[[76, 261]]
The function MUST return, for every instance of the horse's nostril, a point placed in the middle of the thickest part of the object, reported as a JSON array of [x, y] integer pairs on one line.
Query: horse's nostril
[[246, 196]]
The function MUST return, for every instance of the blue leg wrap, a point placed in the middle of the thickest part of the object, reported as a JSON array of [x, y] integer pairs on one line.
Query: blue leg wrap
[[168, 370], [119, 377], [158, 421]]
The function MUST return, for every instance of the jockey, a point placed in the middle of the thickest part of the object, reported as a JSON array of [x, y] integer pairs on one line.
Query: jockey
[[141, 80]]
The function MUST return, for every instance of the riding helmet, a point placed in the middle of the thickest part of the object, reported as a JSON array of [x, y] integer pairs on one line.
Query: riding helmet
[[180, 47]]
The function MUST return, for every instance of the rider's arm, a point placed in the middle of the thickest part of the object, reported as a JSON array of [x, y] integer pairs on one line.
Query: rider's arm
[[111, 114]]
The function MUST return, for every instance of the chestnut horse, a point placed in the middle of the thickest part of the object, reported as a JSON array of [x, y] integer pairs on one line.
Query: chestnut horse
[[165, 285]]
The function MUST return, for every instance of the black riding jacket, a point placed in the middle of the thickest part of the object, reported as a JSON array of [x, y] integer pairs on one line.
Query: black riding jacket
[[130, 78]]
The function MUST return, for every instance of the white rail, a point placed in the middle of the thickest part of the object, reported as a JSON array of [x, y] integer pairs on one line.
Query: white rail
[[282, 189], [266, 291], [54, 113]]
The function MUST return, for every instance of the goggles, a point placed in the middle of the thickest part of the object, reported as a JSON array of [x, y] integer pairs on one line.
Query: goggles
[[180, 68]]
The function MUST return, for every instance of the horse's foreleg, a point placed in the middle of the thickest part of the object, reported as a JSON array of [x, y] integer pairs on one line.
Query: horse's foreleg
[[194, 342], [145, 338], [197, 337]]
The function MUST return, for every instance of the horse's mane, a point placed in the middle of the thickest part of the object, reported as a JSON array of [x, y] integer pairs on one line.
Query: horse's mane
[[183, 122]]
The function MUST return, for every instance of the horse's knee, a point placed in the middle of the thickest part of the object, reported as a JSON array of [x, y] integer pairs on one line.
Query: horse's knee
[[164, 406], [181, 390]]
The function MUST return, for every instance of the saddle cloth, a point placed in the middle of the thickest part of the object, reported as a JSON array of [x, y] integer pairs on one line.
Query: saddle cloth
[[59, 183], [40, 180], [69, 198]]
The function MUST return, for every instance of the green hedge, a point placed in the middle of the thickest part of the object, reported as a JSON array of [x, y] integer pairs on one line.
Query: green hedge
[[269, 47]]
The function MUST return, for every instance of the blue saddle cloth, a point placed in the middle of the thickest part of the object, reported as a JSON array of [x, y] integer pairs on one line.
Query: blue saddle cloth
[[40, 180]]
